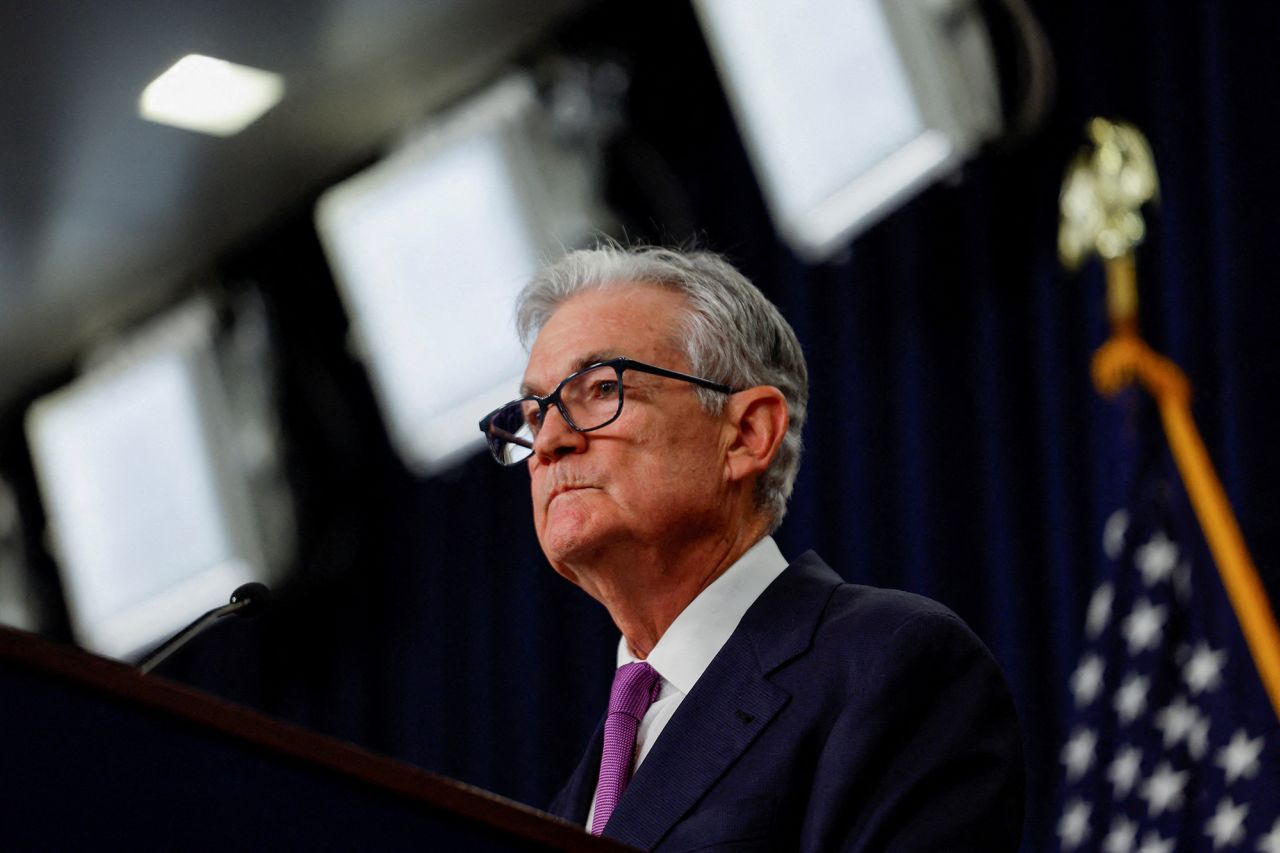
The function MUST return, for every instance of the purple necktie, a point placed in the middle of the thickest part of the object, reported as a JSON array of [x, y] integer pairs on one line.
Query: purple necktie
[[635, 686]]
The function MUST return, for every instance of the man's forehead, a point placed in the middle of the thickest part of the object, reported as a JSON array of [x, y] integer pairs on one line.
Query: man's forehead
[[637, 321], [539, 385]]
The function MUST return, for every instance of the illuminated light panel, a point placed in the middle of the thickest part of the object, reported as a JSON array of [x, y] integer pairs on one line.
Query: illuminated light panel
[[210, 95], [429, 248], [849, 107], [148, 507]]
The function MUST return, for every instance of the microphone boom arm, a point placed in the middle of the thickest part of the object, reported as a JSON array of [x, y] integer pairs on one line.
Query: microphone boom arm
[[248, 600]]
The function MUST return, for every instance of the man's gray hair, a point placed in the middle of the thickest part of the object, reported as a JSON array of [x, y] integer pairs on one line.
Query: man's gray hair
[[732, 334]]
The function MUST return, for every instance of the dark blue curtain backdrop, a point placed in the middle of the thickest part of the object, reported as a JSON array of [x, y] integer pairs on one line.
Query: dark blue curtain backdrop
[[956, 446]]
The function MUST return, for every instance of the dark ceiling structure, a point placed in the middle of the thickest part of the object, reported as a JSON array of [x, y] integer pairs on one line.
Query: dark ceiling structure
[[104, 215]]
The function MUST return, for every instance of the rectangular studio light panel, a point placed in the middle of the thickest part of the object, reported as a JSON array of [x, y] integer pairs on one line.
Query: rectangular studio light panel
[[848, 107], [150, 522], [428, 249]]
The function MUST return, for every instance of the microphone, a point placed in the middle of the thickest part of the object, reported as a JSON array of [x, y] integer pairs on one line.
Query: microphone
[[248, 600]]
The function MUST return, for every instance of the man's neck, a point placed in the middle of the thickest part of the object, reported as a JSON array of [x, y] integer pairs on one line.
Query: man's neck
[[645, 595]]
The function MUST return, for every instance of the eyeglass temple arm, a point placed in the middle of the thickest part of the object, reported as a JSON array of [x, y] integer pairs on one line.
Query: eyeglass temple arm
[[675, 374], [498, 432]]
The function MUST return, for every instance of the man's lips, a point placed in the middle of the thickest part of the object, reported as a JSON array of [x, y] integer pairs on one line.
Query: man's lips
[[564, 490]]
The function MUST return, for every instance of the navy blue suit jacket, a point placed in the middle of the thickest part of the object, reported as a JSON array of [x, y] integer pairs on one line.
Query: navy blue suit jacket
[[837, 717]]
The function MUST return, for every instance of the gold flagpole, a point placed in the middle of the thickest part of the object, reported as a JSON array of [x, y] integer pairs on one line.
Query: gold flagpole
[[1102, 195]]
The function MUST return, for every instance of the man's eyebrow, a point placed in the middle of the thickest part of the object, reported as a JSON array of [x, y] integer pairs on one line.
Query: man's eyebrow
[[595, 358], [527, 390]]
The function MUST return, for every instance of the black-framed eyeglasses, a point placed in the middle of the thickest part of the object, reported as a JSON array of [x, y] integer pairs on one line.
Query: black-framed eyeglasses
[[587, 400]]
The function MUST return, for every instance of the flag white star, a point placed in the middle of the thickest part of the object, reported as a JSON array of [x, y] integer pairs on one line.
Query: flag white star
[[1176, 720], [1153, 843], [1240, 757], [1163, 790], [1099, 610], [1086, 681], [1131, 699], [1077, 755], [1157, 558], [1204, 670], [1227, 824], [1113, 533], [1122, 837], [1073, 826], [1124, 769], [1270, 843], [1144, 627]]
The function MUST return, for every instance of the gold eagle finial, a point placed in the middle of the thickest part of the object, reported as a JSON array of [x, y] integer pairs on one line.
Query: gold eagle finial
[[1102, 195]]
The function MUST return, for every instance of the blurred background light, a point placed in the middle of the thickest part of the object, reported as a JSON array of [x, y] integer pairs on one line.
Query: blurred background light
[[429, 248], [848, 107], [210, 95], [148, 510]]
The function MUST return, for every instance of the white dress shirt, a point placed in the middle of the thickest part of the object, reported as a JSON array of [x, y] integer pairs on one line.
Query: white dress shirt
[[685, 651]]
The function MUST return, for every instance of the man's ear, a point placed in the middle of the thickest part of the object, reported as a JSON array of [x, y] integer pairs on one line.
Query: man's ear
[[757, 421]]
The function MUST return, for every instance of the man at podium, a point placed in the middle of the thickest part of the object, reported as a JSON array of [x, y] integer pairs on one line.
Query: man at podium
[[759, 702]]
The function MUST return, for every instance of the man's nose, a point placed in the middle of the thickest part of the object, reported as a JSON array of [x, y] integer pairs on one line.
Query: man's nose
[[556, 438]]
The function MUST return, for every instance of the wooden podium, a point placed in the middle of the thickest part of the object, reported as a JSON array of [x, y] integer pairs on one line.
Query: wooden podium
[[96, 755]]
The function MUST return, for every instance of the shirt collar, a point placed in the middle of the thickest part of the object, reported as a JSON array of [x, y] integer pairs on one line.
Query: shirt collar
[[685, 650]]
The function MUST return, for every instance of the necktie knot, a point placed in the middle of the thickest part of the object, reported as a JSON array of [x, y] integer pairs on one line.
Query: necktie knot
[[635, 687]]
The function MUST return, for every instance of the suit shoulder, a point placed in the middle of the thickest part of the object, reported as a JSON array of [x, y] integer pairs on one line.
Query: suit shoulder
[[869, 604], [886, 632], [853, 626], [869, 609]]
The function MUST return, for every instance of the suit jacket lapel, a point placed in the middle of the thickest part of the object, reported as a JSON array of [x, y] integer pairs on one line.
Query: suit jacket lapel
[[726, 710]]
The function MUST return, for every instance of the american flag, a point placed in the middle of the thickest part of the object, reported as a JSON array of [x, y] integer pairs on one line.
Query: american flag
[[1171, 742]]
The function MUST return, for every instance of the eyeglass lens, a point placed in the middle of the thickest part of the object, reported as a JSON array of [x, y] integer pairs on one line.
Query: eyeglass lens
[[590, 400]]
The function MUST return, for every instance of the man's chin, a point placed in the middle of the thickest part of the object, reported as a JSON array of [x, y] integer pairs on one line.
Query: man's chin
[[570, 542], [566, 520], [564, 548]]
